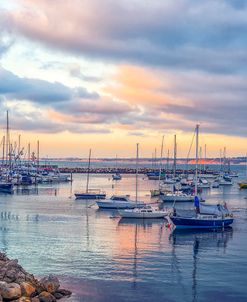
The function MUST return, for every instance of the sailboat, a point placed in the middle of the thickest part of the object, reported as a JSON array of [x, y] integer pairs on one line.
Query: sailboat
[[145, 212], [205, 216], [243, 184], [6, 186], [117, 175], [90, 194]]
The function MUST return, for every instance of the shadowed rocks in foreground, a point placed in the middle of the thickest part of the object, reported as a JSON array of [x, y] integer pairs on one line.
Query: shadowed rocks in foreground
[[18, 285]]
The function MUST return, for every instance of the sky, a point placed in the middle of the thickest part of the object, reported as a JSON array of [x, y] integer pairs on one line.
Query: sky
[[106, 74]]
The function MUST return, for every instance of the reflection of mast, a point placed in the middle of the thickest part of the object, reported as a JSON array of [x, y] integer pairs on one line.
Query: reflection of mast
[[135, 258], [88, 170], [194, 279]]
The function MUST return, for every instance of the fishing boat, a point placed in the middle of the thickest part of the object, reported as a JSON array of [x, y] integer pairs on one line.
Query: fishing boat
[[118, 202], [90, 194], [146, 212], [204, 216]]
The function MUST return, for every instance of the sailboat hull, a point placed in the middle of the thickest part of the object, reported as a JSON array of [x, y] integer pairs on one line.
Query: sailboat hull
[[89, 196], [194, 223], [139, 215]]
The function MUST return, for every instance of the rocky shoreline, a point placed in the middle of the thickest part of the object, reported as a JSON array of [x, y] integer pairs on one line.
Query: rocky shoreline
[[18, 285]]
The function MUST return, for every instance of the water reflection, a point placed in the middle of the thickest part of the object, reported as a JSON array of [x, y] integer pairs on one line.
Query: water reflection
[[199, 240]]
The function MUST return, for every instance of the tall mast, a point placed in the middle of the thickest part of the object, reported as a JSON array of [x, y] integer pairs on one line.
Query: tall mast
[[3, 150], [88, 170], [197, 144], [28, 160], [161, 155], [7, 139], [220, 160], [168, 155], [137, 158], [38, 156], [205, 156], [175, 156]]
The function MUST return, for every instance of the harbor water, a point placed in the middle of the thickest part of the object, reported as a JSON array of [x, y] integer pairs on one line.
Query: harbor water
[[103, 258]]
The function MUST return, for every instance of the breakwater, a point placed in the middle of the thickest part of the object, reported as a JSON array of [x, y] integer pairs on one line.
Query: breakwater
[[16, 284], [125, 170]]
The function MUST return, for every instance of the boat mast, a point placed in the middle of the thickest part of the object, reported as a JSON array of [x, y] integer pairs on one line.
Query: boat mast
[[205, 156], [175, 156], [7, 140], [137, 157], [168, 155], [38, 156], [161, 155], [197, 143], [88, 169], [3, 150]]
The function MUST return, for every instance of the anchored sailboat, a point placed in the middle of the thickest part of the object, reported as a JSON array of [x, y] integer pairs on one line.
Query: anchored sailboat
[[205, 216]]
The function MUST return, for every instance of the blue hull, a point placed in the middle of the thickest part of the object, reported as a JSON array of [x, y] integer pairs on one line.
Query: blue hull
[[6, 188], [89, 196], [192, 223]]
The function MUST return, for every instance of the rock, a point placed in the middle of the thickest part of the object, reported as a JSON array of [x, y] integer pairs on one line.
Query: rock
[[1, 298], [50, 284], [46, 297], [23, 299], [64, 292], [27, 289], [58, 296], [10, 291], [35, 299]]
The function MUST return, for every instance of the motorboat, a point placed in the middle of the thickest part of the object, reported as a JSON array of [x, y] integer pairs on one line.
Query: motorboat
[[225, 181], [203, 184], [147, 212], [176, 196], [243, 185], [116, 176], [118, 202]]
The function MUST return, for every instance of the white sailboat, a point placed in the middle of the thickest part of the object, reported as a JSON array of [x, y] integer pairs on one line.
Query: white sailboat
[[90, 194], [145, 212]]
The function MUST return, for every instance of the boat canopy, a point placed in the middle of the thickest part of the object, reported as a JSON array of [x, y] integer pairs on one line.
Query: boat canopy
[[213, 209]]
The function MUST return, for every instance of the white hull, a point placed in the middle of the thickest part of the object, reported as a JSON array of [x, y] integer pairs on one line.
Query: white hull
[[116, 205], [140, 215], [173, 198]]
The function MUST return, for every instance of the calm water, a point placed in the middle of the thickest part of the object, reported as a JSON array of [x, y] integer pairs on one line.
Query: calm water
[[103, 259]]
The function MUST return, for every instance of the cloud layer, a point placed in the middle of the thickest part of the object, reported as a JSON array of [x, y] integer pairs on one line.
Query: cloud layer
[[176, 63]]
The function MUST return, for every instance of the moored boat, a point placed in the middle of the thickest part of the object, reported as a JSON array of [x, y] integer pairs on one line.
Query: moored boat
[[146, 212], [118, 202]]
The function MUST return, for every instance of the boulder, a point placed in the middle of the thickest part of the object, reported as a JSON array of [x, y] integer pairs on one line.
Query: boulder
[[22, 299], [46, 297], [35, 299], [64, 292], [50, 284], [10, 291], [58, 296], [27, 289], [1, 298]]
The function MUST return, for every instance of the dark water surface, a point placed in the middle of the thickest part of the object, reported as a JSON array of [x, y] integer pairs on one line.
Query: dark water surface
[[106, 259]]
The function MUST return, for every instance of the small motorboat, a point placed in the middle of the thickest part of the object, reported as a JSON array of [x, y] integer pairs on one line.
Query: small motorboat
[[118, 202], [147, 212], [116, 176], [176, 196], [243, 185]]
